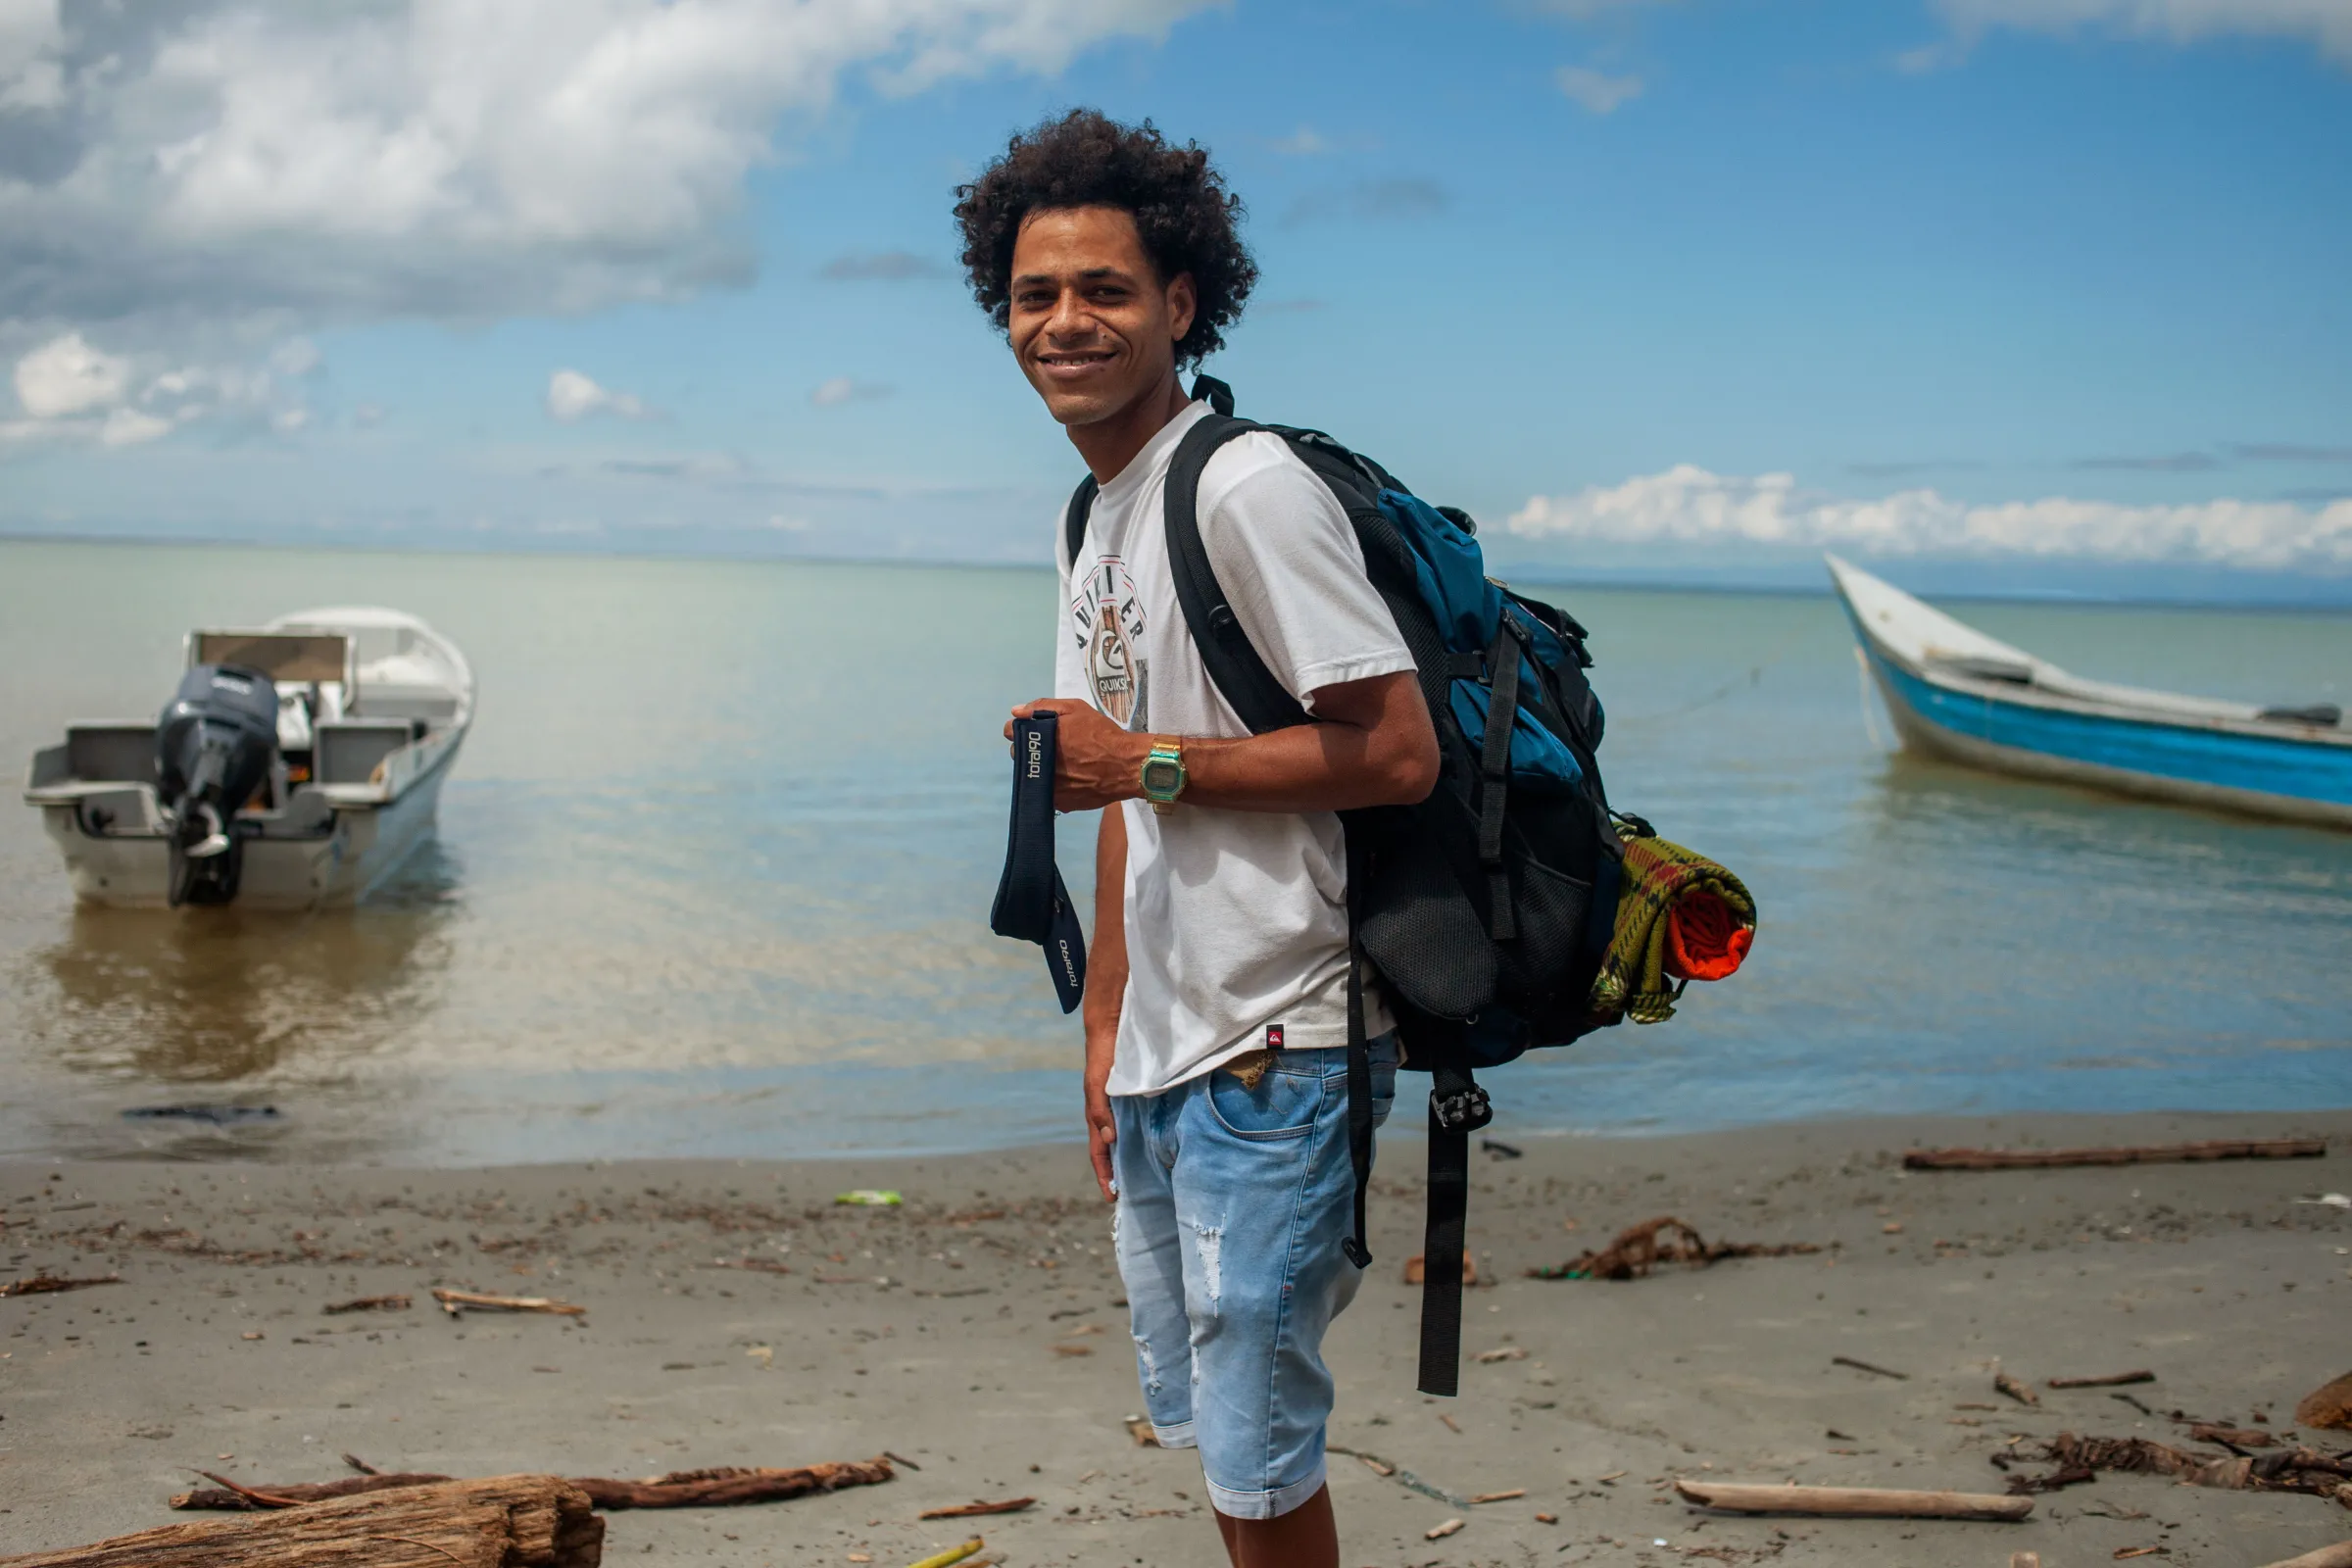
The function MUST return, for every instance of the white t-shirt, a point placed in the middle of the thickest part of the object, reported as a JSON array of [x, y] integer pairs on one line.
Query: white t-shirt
[[1237, 921]]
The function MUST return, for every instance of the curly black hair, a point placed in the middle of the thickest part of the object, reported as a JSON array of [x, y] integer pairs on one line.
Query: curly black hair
[[1188, 220]]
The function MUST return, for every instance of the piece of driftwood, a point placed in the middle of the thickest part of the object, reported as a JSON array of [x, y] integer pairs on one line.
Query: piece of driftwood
[[1874, 1371], [724, 1487], [452, 1301], [2229, 1437], [2328, 1405], [1441, 1531], [1854, 1502], [2025, 1559], [2016, 1388], [2144, 1155], [2111, 1380], [2338, 1555], [973, 1510], [395, 1303], [1638, 1251], [44, 1284], [504, 1522]]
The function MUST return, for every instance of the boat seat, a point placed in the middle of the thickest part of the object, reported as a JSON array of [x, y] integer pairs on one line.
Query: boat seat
[[101, 753], [348, 752]]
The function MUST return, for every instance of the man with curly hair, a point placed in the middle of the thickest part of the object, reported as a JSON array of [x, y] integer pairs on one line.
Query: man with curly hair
[[1216, 1024]]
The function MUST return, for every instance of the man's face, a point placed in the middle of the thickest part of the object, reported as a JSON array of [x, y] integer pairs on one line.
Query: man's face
[[1093, 326]]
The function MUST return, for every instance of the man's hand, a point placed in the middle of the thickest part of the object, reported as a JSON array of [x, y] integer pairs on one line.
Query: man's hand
[[1096, 762], [1101, 1131]]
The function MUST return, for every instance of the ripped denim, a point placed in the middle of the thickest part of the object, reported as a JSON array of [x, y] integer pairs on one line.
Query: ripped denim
[[1233, 1202]]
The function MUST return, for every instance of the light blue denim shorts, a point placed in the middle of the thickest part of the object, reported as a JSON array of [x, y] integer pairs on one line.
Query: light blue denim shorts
[[1233, 1202]]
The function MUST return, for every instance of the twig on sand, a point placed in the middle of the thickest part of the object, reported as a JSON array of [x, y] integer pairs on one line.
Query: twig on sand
[[1441, 1531], [44, 1284], [395, 1303], [973, 1510], [1638, 1249], [252, 1495], [1854, 1502], [2017, 1389], [1401, 1476], [723, 1487], [451, 1301], [951, 1557], [1865, 1366], [2146, 1155], [2111, 1380], [1499, 1496]]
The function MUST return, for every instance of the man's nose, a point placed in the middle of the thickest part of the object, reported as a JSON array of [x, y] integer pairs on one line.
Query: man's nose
[[1070, 318]]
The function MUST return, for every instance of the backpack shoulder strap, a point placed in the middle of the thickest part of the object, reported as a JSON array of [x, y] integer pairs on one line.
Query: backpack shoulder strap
[[1238, 670], [1073, 519]]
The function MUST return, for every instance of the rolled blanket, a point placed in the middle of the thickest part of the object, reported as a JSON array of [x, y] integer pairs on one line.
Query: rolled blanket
[[1680, 917]]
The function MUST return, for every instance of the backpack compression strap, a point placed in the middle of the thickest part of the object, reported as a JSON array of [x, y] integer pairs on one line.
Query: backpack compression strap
[[1032, 903], [1457, 1108]]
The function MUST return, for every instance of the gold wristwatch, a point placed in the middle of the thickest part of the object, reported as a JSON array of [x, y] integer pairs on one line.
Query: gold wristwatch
[[1163, 775]]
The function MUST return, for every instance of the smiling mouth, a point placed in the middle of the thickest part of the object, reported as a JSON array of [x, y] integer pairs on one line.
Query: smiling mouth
[[1067, 364]]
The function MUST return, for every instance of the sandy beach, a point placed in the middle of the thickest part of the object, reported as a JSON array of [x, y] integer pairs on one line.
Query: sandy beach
[[976, 1331]]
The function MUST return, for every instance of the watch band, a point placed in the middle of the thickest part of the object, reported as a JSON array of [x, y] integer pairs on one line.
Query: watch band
[[1166, 756]]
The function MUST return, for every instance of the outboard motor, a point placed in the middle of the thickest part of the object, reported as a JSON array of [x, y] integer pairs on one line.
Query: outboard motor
[[212, 750]]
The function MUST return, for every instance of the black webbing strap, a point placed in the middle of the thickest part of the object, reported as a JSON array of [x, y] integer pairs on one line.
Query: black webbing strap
[[1073, 519], [1359, 1069], [1032, 903], [1235, 667], [1495, 763], [1457, 1108]]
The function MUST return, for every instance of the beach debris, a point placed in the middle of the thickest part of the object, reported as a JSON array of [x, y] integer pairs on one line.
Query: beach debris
[[351, 1460], [2025, 1559], [216, 1115], [1139, 1429], [1638, 1249], [2140, 1155], [2111, 1380], [1499, 1150], [949, 1557], [2328, 1405], [723, 1487], [524, 1521], [2326, 1201], [2016, 1388], [2123, 1553], [44, 1284], [1882, 1372], [1401, 1476], [1498, 1496], [2229, 1437], [368, 1303], [1441, 1531], [1073, 1349], [972, 1510], [1414, 1271], [1506, 1352], [1547, 1518], [2338, 1555], [2285, 1469], [1854, 1502], [869, 1197], [454, 1301], [755, 1266]]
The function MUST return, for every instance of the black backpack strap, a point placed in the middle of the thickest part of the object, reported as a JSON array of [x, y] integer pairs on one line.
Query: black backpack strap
[[1073, 518], [1457, 1108], [1495, 764], [1236, 667], [1360, 1062]]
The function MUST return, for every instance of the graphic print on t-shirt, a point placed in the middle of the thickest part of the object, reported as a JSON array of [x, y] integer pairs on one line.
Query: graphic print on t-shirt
[[1108, 620]]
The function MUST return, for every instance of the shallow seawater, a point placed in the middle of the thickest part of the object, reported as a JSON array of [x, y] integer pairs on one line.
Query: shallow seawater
[[714, 873]]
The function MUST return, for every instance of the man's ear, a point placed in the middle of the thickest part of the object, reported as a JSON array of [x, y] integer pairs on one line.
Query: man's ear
[[1184, 302]]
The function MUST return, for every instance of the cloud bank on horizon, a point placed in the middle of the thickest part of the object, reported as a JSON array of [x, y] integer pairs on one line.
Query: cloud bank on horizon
[[1689, 505]]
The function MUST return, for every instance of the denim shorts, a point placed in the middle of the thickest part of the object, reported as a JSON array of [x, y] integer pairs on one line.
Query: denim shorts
[[1233, 1202]]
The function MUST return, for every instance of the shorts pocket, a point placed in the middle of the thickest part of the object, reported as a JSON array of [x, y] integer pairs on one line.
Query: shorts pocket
[[1284, 1105]]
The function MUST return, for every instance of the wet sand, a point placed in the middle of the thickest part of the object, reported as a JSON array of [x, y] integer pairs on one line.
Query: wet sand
[[975, 1331]]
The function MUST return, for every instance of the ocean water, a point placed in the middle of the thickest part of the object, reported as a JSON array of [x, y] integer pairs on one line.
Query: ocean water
[[713, 871]]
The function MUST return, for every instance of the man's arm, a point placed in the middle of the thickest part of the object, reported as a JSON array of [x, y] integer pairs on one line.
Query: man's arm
[[1371, 744], [1105, 990]]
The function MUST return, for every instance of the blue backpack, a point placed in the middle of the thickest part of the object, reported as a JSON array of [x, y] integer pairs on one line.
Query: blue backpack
[[1486, 909]]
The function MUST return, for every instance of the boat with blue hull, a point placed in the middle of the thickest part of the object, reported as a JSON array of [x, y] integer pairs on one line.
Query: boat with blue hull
[[1958, 694]]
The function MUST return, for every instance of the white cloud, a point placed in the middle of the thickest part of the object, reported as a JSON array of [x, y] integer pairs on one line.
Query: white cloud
[[222, 160], [2327, 23], [1597, 90], [1690, 506], [1304, 142], [129, 427], [842, 389], [66, 377], [572, 397]]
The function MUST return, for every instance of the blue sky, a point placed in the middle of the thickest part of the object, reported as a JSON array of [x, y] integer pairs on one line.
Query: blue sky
[[2038, 293]]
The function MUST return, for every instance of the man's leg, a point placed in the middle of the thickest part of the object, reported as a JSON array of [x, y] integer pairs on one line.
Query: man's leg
[[1151, 1263], [1305, 1538]]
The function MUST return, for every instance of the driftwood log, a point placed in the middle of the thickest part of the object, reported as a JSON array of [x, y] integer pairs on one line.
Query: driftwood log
[[2111, 1380], [2079, 1459], [2338, 1555], [1854, 1502], [505, 1522], [2145, 1155], [724, 1487], [1638, 1249]]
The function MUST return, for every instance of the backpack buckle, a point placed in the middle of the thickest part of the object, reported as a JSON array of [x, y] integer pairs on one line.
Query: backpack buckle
[[1464, 1111]]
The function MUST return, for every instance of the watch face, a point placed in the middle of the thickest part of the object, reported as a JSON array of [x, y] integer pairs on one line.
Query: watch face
[[1162, 776]]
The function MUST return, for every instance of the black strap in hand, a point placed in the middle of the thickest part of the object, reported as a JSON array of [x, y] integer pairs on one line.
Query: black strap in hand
[[1032, 903]]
